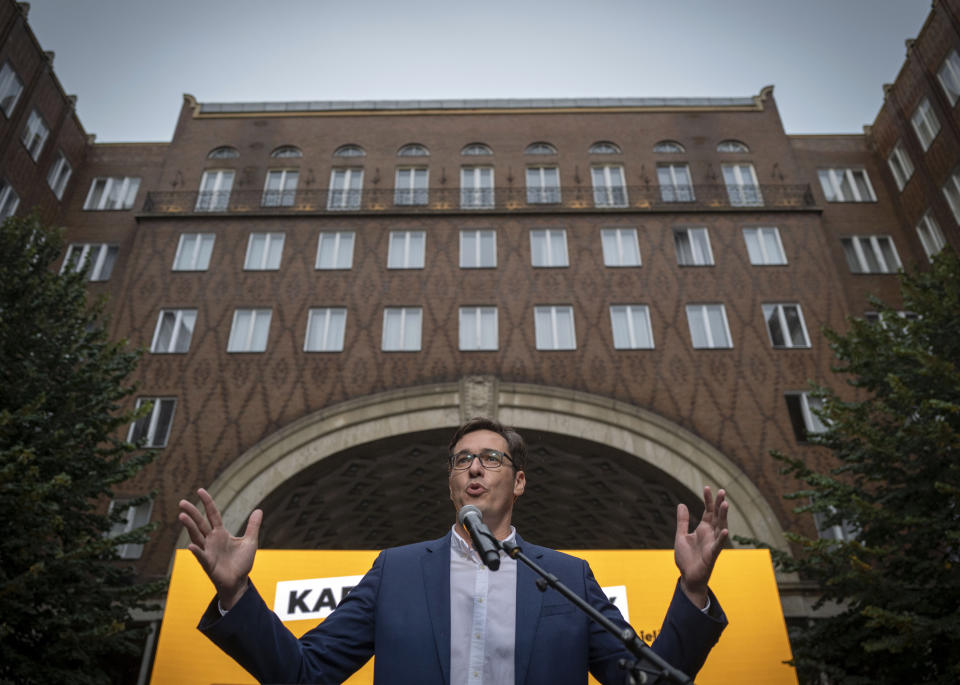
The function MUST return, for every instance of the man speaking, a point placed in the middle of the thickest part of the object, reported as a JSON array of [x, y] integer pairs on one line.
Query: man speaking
[[433, 612]]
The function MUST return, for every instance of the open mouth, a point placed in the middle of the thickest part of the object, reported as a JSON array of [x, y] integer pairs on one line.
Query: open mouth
[[475, 489]]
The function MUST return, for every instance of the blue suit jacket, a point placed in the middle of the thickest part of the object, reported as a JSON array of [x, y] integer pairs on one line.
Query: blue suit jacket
[[401, 612]]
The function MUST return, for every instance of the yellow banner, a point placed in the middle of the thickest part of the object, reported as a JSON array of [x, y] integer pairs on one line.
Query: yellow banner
[[751, 649]]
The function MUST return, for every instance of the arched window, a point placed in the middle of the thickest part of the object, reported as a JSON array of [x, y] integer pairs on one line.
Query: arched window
[[669, 146], [604, 147], [476, 150], [223, 152], [349, 151], [732, 146], [413, 150], [540, 148], [286, 152]]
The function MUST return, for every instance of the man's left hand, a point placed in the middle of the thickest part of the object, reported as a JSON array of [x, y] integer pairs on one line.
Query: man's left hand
[[695, 553]]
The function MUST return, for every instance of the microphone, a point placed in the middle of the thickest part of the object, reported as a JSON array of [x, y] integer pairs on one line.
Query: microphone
[[470, 518]]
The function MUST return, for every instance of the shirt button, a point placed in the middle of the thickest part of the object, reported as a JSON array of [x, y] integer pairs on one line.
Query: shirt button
[[478, 635]]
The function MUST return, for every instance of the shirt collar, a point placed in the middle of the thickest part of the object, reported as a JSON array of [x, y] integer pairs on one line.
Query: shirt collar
[[463, 548]]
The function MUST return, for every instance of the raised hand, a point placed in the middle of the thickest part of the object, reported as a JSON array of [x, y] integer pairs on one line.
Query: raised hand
[[226, 559], [695, 553]]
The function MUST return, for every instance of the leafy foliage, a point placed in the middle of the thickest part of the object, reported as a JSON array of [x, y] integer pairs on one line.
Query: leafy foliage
[[64, 601]]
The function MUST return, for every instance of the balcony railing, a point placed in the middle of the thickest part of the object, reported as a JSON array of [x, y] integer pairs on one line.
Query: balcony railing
[[646, 198]]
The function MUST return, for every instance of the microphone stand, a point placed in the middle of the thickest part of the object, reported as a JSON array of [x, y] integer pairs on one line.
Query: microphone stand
[[638, 648]]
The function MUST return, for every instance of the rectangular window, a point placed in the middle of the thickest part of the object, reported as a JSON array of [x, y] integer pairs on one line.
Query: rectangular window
[[346, 189], [280, 188], [406, 250], [708, 326], [543, 185], [174, 331], [153, 428], [264, 251], [215, 187], [631, 327], [548, 247], [249, 331], [900, 165], [925, 123], [411, 186], [335, 250], [846, 185], [930, 235], [843, 531], [325, 329], [10, 88], [764, 246], [134, 517], [693, 247], [59, 175], [609, 187], [801, 407], [35, 135], [478, 328], [742, 186], [478, 249], [476, 187], [620, 247], [554, 328], [193, 252], [785, 325], [675, 183], [108, 193], [401, 329], [9, 200], [99, 256], [951, 191], [871, 254], [949, 76]]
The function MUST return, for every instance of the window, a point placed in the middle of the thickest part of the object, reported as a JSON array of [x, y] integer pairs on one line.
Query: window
[[669, 147], [476, 187], [223, 152], [949, 76], [413, 150], [59, 175], [411, 186], [675, 183], [609, 189], [925, 123], [346, 188], [930, 235], [785, 325], [540, 148], [631, 327], [406, 250], [951, 191], [280, 188], [325, 329], [478, 249], [286, 152], [742, 186], [554, 327], [732, 146], [802, 407], [846, 185], [543, 185], [214, 192], [35, 135], [349, 151], [10, 88], [708, 326], [113, 192], [100, 257], [335, 250], [871, 254], [401, 329], [476, 150], [264, 251], [174, 331], [154, 427], [764, 246], [193, 252], [9, 200], [249, 330], [900, 165], [604, 147], [620, 247], [478, 328], [693, 247], [842, 531], [134, 517], [548, 247]]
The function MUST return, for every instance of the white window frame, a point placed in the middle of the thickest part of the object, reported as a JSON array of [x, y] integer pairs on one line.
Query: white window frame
[[845, 532], [951, 191], [215, 188], [411, 186], [10, 89], [193, 257], [778, 313], [540, 189], [548, 336], [859, 245], [184, 323], [832, 183], [152, 422], [607, 192], [343, 242], [244, 341], [698, 244], [402, 252], [811, 422], [621, 247], [672, 188], [743, 189], [285, 192], [762, 253], [59, 174], [550, 236], [636, 320], [346, 188], [931, 237], [102, 256], [949, 76], [475, 192], [732, 145], [700, 314], [9, 200], [408, 316], [35, 134], [900, 165], [136, 517], [480, 239], [485, 329], [126, 188], [329, 335], [270, 249], [925, 123]]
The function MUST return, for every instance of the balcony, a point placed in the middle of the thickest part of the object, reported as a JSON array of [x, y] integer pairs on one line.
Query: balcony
[[620, 199]]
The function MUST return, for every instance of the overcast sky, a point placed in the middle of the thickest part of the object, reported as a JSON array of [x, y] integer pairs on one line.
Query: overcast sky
[[130, 61]]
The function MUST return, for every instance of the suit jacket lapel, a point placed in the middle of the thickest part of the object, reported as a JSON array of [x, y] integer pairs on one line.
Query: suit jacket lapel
[[529, 601], [436, 585]]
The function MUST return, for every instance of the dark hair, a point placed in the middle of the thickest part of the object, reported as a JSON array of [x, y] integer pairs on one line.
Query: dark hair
[[515, 445]]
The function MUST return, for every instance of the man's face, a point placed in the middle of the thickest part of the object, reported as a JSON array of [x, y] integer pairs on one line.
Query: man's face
[[491, 491]]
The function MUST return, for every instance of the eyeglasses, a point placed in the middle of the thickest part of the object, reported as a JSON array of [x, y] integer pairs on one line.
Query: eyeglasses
[[489, 459]]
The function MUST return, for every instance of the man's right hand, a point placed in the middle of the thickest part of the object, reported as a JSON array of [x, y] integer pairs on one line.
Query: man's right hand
[[226, 559]]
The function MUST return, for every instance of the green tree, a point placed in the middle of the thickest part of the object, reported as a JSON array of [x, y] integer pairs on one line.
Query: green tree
[[65, 601], [896, 485]]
